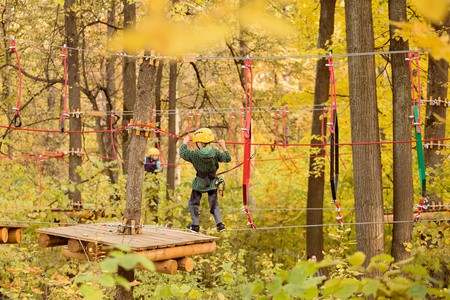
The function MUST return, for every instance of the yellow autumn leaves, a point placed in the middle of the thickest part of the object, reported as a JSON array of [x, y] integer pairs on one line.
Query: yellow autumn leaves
[[200, 27], [425, 35]]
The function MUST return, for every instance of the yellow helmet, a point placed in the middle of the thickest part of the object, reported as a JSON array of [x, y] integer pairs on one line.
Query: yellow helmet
[[203, 135], [153, 151]]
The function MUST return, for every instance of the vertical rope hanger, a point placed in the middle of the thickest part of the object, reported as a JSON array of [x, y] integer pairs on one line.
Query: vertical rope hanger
[[418, 133], [64, 114], [17, 119], [112, 140], [247, 139], [334, 141]]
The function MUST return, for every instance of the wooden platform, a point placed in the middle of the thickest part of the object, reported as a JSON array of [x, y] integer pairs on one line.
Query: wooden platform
[[424, 215], [11, 233], [170, 248]]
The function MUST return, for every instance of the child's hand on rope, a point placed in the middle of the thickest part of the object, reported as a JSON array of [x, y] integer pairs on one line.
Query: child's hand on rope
[[186, 140], [222, 145]]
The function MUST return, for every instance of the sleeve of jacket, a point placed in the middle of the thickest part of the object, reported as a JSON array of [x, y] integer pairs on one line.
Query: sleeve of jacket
[[224, 156], [185, 153], [146, 166]]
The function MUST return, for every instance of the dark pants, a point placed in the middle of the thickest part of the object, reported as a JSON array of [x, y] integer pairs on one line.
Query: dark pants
[[194, 203]]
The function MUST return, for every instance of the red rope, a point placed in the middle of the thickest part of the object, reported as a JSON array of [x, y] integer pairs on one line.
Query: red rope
[[276, 139], [284, 135], [189, 129], [17, 111], [419, 209], [112, 141], [64, 114], [231, 137]]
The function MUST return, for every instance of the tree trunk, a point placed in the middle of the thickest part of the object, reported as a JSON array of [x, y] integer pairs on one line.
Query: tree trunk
[[314, 235], [172, 150], [401, 102], [110, 91], [129, 81], [143, 113], [435, 118], [365, 129], [159, 75], [74, 97]]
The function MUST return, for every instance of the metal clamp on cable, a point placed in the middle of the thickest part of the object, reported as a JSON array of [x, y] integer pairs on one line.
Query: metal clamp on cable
[[17, 118]]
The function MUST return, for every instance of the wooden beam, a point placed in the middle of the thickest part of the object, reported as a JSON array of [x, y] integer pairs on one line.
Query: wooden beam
[[76, 245], [169, 266], [185, 264], [15, 236], [178, 252], [4, 235], [77, 255], [46, 240]]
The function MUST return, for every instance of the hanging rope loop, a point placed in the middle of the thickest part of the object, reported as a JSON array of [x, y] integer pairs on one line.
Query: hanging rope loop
[[64, 114], [17, 120]]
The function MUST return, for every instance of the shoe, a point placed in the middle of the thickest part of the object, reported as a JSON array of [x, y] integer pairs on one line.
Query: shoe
[[220, 227], [193, 228]]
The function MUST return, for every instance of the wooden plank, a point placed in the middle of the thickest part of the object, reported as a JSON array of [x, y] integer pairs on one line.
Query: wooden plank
[[10, 225], [149, 239]]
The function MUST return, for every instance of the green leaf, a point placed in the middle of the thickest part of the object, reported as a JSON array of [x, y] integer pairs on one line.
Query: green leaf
[[346, 291], [274, 287], [357, 259], [298, 274], [71, 188], [146, 263], [418, 291], [383, 257], [123, 282], [293, 289], [174, 289], [311, 293], [247, 292], [129, 261], [89, 293], [226, 266], [370, 287], [184, 289], [417, 270], [195, 294], [83, 278], [106, 280], [281, 296], [258, 287], [109, 265]]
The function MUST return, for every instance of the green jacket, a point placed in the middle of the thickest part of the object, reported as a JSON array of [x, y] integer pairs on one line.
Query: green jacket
[[205, 160]]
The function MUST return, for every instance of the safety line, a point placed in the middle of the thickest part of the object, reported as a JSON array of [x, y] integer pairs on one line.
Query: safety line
[[201, 58]]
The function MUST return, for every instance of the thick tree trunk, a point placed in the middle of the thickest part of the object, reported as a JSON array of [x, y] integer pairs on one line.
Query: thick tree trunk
[[401, 102], [129, 81], [435, 119], [365, 129], [172, 150], [74, 97], [143, 113], [314, 235]]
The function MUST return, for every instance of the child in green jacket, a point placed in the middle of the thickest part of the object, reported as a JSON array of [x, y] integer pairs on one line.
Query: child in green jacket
[[206, 162]]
